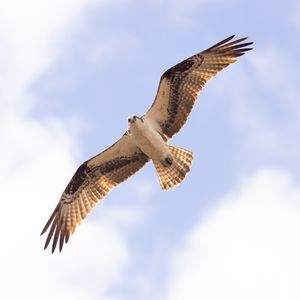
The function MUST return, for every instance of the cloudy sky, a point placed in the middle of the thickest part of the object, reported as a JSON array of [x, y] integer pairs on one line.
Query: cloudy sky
[[70, 74]]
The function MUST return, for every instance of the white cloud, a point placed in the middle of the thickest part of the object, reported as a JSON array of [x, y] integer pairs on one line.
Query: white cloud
[[32, 34], [36, 159], [247, 248], [29, 34]]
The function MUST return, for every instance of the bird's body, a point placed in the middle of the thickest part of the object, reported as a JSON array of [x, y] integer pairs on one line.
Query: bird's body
[[146, 139], [145, 136]]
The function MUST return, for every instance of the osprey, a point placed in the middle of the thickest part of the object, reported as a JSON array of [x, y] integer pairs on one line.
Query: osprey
[[146, 139]]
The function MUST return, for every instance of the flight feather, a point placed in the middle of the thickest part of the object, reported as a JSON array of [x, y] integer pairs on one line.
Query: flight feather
[[91, 183], [180, 85]]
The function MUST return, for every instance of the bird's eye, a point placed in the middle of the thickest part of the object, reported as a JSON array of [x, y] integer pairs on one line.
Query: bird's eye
[[134, 117]]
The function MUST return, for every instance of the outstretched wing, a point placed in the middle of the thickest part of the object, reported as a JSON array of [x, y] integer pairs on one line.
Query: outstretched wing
[[90, 183], [180, 85]]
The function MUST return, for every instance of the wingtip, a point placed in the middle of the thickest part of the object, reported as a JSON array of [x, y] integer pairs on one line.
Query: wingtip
[[43, 231], [226, 42], [247, 49], [227, 39]]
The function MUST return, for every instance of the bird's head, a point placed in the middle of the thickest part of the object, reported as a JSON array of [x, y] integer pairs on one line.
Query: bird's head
[[132, 119]]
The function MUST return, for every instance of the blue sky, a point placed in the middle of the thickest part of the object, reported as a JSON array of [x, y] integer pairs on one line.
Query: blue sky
[[70, 74]]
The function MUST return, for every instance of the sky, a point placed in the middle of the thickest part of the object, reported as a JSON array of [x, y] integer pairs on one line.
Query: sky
[[70, 74]]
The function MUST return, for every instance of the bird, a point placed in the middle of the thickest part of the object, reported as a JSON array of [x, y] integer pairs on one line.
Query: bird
[[146, 139]]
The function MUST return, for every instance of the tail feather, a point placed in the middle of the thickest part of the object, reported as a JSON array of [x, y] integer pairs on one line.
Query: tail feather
[[174, 171]]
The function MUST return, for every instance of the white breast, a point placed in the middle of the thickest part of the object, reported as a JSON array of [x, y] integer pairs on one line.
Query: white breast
[[148, 140]]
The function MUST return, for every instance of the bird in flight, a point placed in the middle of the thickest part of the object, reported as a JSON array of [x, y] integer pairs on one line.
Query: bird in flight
[[146, 139]]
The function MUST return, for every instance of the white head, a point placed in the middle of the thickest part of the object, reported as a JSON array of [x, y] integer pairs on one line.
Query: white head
[[133, 118]]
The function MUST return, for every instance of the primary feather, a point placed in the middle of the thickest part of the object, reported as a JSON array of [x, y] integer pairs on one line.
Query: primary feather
[[180, 85]]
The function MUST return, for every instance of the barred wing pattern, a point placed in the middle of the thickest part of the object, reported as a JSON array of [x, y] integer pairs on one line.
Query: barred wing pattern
[[91, 183], [180, 85]]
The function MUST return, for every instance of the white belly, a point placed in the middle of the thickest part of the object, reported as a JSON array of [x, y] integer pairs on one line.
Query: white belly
[[149, 140]]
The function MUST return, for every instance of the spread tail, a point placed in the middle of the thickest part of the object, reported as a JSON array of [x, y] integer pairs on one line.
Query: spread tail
[[173, 169]]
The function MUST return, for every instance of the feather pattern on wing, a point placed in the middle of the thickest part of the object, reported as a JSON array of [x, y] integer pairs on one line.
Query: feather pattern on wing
[[90, 183], [180, 85]]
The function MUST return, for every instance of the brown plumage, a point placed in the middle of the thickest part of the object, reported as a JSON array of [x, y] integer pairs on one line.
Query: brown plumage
[[90, 183], [177, 92], [174, 173], [180, 85]]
